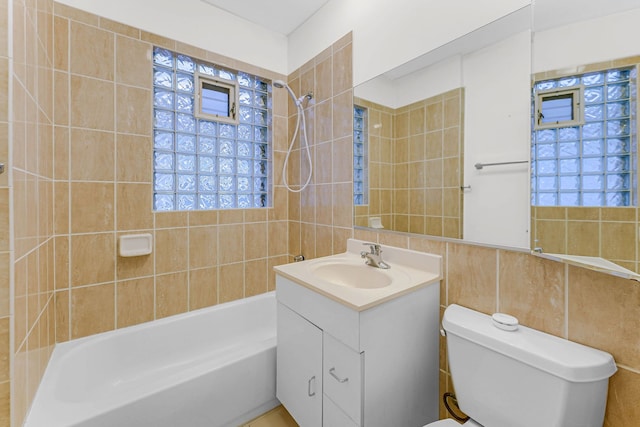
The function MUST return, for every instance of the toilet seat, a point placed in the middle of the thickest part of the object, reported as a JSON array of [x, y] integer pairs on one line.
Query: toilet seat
[[451, 423], [443, 423]]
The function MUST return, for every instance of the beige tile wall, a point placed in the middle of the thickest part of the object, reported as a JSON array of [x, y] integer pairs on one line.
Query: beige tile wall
[[5, 248], [415, 162], [103, 189], [428, 166], [90, 182], [69, 212], [585, 306], [30, 174], [321, 216], [598, 232]]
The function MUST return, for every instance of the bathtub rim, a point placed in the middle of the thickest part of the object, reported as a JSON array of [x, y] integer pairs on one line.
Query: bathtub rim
[[47, 387], [165, 320]]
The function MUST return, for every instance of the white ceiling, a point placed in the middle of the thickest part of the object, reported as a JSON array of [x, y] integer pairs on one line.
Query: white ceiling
[[282, 16]]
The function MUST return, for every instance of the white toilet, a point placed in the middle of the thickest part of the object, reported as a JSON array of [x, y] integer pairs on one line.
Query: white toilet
[[507, 375]]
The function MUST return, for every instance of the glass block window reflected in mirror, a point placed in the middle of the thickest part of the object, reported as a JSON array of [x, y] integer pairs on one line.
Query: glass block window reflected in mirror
[[595, 163], [202, 163], [360, 157]]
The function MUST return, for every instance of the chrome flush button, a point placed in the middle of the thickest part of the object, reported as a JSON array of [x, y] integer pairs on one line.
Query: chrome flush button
[[505, 322]]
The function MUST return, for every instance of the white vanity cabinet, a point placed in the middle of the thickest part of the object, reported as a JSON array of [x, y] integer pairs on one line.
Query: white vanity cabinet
[[338, 366], [300, 362]]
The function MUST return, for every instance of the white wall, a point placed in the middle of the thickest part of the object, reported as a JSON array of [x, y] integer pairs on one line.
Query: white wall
[[388, 33], [595, 40], [197, 23], [442, 77], [497, 129], [425, 83], [554, 13]]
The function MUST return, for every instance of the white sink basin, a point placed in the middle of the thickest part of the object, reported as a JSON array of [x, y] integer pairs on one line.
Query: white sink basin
[[347, 279], [355, 276]]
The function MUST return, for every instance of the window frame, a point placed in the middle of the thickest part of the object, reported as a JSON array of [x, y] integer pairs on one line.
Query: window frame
[[232, 107], [577, 106]]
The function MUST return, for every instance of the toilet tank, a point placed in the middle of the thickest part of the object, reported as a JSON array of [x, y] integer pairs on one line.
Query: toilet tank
[[524, 378]]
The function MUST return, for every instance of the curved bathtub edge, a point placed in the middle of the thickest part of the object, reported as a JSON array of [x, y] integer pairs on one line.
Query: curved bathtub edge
[[45, 401]]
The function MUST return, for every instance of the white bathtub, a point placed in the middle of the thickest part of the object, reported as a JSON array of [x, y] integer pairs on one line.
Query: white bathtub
[[210, 367]]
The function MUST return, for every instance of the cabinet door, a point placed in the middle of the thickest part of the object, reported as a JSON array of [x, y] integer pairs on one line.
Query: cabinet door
[[342, 377], [333, 416], [299, 367]]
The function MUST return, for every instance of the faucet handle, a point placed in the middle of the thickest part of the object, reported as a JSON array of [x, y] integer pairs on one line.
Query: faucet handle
[[374, 247]]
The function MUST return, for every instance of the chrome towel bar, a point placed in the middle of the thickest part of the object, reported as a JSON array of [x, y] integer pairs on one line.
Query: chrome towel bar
[[482, 165]]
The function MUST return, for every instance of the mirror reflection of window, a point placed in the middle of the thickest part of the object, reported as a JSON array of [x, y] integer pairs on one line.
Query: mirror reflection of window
[[588, 162], [559, 108], [360, 135], [215, 100]]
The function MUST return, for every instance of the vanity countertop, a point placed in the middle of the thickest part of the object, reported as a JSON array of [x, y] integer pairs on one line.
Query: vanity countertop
[[410, 270]]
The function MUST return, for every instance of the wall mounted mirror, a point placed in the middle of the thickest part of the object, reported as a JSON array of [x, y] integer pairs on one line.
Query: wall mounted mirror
[[584, 183], [408, 161], [493, 69], [420, 128]]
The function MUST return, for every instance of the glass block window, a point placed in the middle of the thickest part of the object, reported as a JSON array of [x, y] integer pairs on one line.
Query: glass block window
[[592, 164], [203, 163], [360, 181]]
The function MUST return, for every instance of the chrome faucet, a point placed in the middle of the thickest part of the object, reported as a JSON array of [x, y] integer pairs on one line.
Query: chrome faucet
[[374, 258]]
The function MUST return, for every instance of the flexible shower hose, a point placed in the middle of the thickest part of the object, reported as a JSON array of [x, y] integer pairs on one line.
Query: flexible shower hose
[[300, 113]]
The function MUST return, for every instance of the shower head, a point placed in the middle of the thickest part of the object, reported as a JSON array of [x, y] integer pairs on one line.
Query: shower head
[[298, 101]]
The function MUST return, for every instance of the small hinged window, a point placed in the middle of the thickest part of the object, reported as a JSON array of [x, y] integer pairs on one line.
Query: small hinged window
[[559, 108], [216, 99]]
